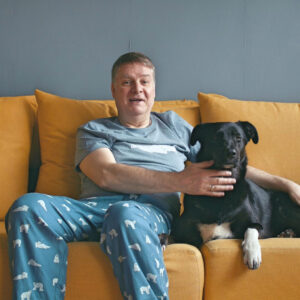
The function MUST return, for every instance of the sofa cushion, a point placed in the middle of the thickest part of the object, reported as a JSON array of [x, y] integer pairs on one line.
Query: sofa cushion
[[226, 276], [278, 125], [5, 278], [17, 116], [58, 120], [184, 265], [187, 109]]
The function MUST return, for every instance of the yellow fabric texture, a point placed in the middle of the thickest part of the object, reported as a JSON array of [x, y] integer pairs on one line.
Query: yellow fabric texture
[[226, 276], [5, 278], [89, 274], [96, 280], [278, 126], [17, 116], [58, 120]]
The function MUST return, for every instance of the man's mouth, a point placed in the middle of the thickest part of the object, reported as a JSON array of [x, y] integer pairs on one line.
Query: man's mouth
[[136, 100]]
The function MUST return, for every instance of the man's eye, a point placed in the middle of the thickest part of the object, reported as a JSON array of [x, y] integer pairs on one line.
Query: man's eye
[[126, 82], [238, 139]]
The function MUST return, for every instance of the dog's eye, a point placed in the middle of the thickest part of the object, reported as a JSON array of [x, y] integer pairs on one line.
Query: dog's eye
[[238, 139]]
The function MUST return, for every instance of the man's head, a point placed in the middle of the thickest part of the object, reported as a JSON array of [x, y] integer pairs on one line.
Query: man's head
[[133, 88], [130, 58]]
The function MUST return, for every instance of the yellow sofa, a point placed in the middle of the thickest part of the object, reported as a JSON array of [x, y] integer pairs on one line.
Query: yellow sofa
[[217, 272]]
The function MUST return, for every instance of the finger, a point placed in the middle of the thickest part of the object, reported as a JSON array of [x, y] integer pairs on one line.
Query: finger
[[221, 181], [221, 188], [220, 173], [218, 190], [215, 194]]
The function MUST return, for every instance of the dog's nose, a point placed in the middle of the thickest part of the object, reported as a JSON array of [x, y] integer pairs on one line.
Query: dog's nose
[[232, 152]]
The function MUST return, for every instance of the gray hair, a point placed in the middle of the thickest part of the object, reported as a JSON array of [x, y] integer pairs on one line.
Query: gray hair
[[130, 58]]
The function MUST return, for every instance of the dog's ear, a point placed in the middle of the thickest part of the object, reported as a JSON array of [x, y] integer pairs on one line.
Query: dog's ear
[[250, 131], [195, 134], [200, 132]]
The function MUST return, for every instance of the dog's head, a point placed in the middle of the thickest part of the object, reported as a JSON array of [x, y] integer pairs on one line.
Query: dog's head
[[224, 143]]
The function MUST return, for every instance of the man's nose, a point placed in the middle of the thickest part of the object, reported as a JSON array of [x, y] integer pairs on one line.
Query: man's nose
[[136, 87]]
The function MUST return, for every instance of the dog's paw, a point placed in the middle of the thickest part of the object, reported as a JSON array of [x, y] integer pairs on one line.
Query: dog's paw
[[251, 249], [252, 256]]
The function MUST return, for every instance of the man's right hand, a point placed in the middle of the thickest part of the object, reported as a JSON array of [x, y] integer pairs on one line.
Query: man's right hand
[[197, 179]]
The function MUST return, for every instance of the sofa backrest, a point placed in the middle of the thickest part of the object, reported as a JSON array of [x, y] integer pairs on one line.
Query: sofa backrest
[[278, 125], [47, 125], [58, 120], [17, 117]]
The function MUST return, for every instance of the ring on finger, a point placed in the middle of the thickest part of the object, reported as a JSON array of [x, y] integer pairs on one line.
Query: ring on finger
[[212, 187]]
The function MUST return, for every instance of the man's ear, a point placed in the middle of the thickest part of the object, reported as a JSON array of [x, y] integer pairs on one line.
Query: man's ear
[[250, 131], [112, 89]]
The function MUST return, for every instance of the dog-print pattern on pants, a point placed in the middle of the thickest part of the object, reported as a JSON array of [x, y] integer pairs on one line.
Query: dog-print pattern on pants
[[39, 227]]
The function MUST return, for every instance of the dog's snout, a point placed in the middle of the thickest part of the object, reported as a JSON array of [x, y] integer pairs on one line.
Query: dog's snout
[[232, 152]]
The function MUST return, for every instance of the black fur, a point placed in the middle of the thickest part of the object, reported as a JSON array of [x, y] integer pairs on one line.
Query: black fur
[[248, 205]]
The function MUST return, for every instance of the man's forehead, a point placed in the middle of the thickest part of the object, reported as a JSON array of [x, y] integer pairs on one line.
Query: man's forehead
[[135, 68], [128, 75]]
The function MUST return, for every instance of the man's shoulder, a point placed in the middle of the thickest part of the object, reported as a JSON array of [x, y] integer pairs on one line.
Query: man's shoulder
[[172, 119], [168, 115], [99, 123]]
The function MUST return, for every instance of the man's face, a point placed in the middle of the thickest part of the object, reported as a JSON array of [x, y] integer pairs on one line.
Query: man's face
[[133, 89]]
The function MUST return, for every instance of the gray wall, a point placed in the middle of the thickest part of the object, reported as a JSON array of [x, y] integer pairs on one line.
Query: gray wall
[[247, 49]]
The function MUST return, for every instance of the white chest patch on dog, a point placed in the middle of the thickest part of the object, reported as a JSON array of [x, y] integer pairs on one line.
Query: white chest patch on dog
[[214, 231]]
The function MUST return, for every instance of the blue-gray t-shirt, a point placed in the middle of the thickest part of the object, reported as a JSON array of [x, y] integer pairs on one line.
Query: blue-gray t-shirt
[[162, 146]]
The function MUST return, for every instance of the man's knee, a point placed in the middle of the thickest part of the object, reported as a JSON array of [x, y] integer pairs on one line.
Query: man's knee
[[123, 213], [25, 207], [26, 202]]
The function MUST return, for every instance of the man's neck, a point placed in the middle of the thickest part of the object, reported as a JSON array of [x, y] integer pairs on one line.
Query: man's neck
[[135, 123]]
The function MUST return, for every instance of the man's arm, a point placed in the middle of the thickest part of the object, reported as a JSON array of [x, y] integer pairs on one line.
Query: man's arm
[[101, 167], [274, 182]]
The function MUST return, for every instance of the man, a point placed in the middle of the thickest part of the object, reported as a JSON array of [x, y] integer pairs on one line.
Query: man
[[132, 170]]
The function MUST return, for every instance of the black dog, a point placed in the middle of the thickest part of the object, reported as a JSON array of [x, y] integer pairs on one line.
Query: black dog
[[248, 212]]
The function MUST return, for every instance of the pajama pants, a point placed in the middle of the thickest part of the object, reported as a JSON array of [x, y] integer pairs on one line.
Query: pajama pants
[[39, 227]]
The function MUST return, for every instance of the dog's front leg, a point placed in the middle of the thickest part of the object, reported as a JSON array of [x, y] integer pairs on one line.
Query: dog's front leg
[[251, 249]]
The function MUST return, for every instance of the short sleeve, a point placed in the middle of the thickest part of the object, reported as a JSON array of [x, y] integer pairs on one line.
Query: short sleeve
[[89, 138], [184, 130]]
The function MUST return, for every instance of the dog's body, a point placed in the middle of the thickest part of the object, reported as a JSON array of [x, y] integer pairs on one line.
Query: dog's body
[[248, 211]]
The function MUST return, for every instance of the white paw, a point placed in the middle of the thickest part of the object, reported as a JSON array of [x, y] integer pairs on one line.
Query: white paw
[[251, 249]]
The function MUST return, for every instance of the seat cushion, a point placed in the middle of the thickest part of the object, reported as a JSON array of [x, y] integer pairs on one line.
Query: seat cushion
[[58, 120], [95, 280], [278, 125], [17, 117], [226, 276], [5, 278], [90, 275]]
